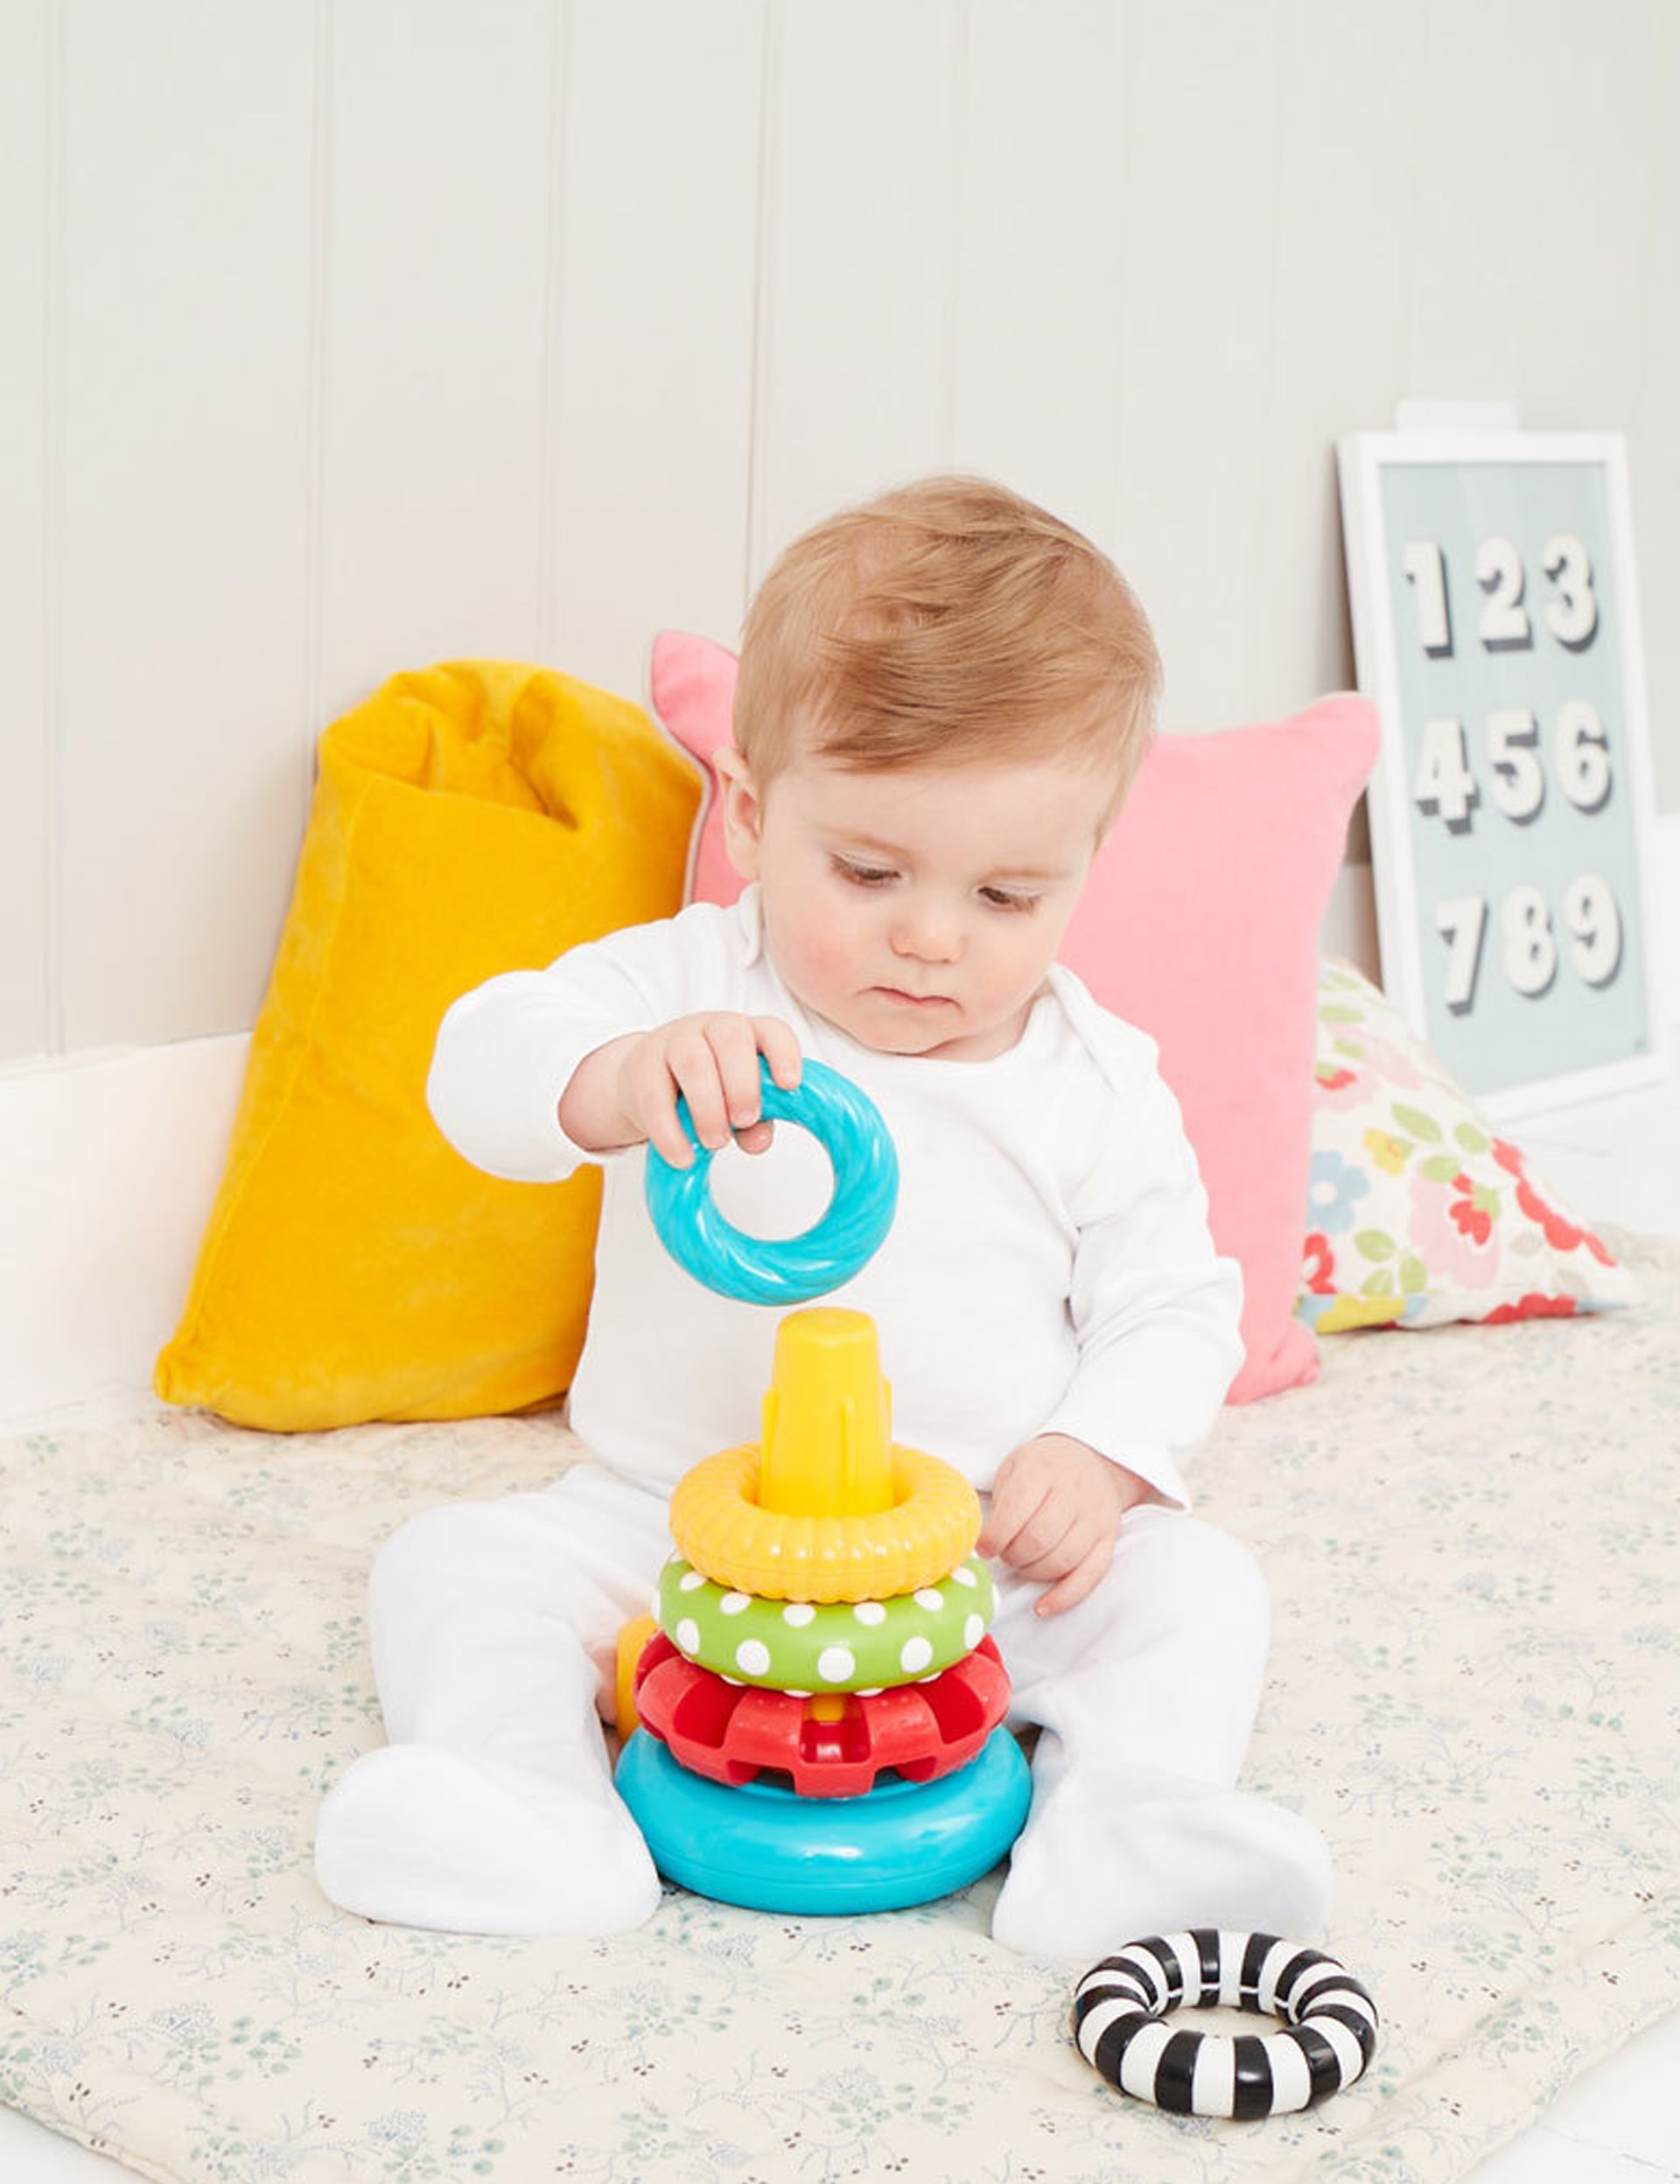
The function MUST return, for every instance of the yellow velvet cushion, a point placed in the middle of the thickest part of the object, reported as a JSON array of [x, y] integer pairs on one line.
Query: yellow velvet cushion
[[476, 817]]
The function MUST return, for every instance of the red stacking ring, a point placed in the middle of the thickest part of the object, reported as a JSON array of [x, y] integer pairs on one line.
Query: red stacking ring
[[830, 1746]]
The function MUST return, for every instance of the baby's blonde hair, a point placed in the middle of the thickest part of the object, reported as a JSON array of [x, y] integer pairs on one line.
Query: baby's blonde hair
[[946, 622]]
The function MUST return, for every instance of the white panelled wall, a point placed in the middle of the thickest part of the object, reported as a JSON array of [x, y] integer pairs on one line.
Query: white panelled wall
[[341, 336]]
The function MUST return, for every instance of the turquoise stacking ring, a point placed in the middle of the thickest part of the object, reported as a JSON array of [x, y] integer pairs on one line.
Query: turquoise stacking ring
[[784, 1270]]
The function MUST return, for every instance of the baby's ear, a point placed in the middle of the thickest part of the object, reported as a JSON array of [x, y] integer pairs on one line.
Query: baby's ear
[[741, 809]]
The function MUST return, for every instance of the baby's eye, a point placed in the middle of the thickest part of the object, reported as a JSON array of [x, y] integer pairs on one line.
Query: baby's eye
[[864, 875], [1008, 899]]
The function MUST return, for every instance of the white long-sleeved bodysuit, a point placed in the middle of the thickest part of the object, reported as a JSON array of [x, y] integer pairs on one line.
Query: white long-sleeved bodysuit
[[1048, 1268]]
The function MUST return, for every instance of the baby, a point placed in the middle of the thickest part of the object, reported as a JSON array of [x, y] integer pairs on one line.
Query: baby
[[943, 697]]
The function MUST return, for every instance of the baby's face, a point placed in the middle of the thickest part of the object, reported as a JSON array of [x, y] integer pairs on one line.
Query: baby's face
[[918, 910]]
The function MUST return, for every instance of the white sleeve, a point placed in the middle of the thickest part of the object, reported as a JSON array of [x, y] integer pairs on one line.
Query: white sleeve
[[1155, 1310], [506, 1050]]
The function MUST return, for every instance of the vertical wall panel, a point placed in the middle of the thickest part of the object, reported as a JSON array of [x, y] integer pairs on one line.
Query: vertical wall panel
[[186, 310], [856, 365], [1587, 159], [1527, 220], [1198, 108], [440, 163], [1653, 338], [1351, 126], [26, 79], [657, 232], [1041, 257]]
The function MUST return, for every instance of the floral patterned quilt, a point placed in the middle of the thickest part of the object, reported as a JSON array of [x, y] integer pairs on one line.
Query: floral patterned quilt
[[1474, 1541]]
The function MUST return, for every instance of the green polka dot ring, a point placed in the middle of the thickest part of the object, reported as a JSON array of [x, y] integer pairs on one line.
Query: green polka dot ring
[[802, 1647]]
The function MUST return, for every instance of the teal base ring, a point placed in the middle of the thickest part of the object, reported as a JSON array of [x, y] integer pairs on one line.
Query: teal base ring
[[763, 1847]]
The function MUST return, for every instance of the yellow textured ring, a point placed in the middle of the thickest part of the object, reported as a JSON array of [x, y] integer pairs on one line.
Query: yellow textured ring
[[719, 1527]]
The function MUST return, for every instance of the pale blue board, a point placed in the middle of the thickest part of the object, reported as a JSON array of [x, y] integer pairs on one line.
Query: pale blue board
[[1503, 1037]]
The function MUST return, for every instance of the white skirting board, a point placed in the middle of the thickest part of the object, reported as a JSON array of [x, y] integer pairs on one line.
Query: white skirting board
[[109, 1164]]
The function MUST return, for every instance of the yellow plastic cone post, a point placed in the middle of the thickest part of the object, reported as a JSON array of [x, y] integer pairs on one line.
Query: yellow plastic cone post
[[828, 1443]]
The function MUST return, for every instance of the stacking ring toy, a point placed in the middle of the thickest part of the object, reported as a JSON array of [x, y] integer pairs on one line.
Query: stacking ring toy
[[765, 1846], [772, 1271], [1120, 2009], [828, 1748], [833, 1646], [720, 1527]]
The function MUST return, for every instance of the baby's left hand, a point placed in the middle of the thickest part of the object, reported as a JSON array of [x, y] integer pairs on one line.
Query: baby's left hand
[[1056, 1508]]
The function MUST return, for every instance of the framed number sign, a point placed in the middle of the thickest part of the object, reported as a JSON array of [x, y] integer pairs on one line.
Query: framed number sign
[[1495, 625]]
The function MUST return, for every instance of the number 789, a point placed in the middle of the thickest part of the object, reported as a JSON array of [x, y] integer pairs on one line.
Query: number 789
[[1528, 945]]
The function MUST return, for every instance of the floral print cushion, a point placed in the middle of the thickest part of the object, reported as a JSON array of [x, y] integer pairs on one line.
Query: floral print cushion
[[1419, 1212]]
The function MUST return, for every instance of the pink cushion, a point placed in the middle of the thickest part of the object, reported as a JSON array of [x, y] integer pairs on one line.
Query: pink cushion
[[1200, 923], [693, 693]]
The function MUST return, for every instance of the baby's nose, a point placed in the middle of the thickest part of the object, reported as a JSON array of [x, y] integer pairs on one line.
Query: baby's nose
[[928, 930]]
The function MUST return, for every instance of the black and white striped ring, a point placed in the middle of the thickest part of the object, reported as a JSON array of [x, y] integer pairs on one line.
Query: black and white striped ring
[[1121, 2007]]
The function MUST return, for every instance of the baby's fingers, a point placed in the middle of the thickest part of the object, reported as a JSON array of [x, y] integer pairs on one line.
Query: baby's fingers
[[672, 1062], [1016, 1500], [688, 1052], [1073, 1586], [653, 1104], [779, 1044], [711, 1063], [743, 1046], [735, 1044]]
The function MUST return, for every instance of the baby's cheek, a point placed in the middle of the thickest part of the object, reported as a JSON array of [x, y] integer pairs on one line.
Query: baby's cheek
[[818, 962]]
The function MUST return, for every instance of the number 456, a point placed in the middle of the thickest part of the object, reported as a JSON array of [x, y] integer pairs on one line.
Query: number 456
[[1528, 949], [1445, 782]]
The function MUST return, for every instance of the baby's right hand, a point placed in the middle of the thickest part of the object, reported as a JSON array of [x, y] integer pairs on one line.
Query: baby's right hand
[[710, 1059]]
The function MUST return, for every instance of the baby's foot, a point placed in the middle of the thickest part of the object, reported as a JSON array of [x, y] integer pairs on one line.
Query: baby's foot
[[1082, 1884], [417, 1836]]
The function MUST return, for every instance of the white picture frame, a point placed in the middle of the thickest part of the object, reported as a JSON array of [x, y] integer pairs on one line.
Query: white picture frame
[[1495, 621]]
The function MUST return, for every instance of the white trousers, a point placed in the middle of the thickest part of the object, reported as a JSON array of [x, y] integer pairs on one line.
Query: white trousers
[[493, 1624]]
